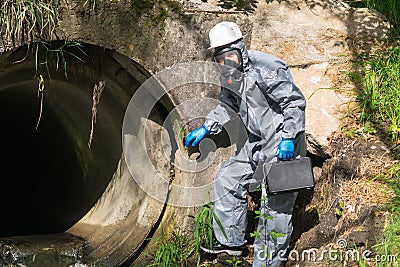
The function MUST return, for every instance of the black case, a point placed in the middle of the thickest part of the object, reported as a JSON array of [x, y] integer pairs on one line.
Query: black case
[[289, 176]]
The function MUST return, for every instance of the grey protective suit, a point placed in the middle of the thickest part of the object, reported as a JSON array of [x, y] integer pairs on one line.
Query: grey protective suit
[[272, 108]]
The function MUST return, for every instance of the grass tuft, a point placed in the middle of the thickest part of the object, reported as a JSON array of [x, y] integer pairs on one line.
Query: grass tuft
[[377, 78], [390, 244], [27, 21], [390, 8], [379, 90], [203, 232], [174, 250]]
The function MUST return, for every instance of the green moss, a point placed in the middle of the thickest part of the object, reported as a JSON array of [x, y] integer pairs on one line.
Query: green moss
[[150, 16], [174, 6], [155, 11], [141, 7]]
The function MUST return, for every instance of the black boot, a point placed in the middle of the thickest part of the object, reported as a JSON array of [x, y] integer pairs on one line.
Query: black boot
[[219, 248]]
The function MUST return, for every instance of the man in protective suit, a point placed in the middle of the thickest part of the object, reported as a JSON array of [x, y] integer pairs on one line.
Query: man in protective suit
[[260, 88]]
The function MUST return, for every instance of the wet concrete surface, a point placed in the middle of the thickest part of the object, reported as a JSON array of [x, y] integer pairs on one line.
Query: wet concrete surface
[[61, 249]]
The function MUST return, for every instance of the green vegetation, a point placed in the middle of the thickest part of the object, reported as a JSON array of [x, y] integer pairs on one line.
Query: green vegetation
[[246, 6], [390, 8], [156, 11], [390, 245], [234, 262], [35, 21], [203, 228], [56, 53], [174, 250], [378, 84], [28, 20], [379, 93], [339, 210], [203, 233], [178, 249]]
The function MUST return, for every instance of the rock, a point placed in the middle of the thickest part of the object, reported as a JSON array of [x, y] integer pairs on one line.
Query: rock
[[317, 40]]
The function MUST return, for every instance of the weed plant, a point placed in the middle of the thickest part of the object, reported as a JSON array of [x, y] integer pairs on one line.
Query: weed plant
[[173, 251], [204, 228], [389, 247], [178, 249], [235, 262], [203, 232], [379, 98], [54, 55], [390, 8], [27, 21], [378, 81], [379, 90]]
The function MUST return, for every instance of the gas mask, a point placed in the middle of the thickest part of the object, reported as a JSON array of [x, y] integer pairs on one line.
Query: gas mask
[[231, 66]]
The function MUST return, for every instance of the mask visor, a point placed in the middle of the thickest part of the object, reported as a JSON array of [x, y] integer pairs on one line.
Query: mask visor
[[229, 57]]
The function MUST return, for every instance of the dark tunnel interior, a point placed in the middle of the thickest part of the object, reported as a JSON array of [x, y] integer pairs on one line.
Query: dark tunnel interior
[[42, 183]]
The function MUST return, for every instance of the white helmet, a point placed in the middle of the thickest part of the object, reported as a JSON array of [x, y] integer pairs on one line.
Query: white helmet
[[224, 33]]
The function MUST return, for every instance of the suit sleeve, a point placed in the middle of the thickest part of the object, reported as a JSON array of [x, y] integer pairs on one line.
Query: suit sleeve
[[280, 88], [225, 111]]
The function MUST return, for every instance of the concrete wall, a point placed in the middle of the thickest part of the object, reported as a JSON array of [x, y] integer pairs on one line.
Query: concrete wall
[[318, 39]]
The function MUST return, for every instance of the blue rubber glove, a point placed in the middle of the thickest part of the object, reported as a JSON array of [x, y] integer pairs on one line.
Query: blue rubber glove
[[195, 136], [285, 149]]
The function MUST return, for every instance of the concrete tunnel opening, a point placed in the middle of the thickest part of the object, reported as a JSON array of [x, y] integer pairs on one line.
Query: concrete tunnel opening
[[51, 178], [44, 175]]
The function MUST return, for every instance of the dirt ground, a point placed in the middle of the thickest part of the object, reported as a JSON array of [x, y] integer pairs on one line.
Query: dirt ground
[[350, 205]]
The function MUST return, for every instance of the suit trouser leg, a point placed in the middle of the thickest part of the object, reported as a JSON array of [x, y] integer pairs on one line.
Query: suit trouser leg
[[230, 206], [230, 197], [274, 229]]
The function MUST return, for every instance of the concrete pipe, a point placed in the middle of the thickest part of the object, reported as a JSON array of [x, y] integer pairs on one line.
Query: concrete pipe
[[59, 193]]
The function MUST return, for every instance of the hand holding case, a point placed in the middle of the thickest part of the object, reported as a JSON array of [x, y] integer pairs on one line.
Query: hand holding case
[[289, 176]]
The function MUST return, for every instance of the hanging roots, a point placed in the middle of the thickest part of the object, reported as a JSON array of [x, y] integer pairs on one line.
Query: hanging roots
[[97, 90]]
